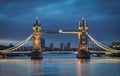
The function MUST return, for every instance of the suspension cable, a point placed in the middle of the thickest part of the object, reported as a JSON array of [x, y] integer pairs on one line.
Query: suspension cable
[[18, 45], [101, 45]]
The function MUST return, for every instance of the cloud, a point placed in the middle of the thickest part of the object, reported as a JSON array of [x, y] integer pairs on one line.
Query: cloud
[[7, 42], [17, 17]]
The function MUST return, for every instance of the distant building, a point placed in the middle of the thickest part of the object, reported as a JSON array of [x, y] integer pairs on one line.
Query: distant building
[[43, 43], [116, 45], [68, 45], [62, 46], [11, 45], [52, 46]]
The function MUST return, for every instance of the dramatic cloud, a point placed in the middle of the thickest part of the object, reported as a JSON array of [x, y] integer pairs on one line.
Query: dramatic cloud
[[18, 16]]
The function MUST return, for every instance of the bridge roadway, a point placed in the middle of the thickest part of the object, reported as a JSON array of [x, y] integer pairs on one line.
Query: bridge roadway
[[52, 52]]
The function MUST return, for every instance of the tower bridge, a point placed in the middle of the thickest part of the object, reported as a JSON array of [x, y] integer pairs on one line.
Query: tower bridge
[[82, 39], [37, 52]]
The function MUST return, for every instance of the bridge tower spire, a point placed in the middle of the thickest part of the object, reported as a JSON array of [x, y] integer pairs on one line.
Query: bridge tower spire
[[37, 51], [36, 20], [82, 40]]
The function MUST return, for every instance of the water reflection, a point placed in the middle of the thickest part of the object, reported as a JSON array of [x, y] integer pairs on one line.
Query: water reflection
[[45, 67], [82, 61], [81, 70], [36, 61], [36, 67], [60, 67]]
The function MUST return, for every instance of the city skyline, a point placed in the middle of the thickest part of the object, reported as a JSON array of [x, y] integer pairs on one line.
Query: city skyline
[[17, 19]]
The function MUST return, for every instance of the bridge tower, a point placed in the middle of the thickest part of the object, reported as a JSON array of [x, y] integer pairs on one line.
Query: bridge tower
[[82, 40], [37, 51]]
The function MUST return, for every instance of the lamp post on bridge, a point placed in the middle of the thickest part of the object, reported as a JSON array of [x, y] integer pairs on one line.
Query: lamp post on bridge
[[37, 50]]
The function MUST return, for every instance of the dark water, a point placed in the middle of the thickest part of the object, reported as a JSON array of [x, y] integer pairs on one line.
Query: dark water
[[60, 65]]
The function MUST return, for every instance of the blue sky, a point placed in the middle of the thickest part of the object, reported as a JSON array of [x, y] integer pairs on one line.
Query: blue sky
[[17, 18]]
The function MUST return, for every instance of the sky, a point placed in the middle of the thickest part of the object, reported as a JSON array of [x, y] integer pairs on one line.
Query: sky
[[18, 16]]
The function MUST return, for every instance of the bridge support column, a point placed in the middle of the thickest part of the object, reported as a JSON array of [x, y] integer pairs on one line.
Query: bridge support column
[[82, 40], [37, 51], [37, 55], [83, 54]]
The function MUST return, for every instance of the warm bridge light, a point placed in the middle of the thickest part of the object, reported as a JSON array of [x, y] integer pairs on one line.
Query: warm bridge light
[[60, 31]]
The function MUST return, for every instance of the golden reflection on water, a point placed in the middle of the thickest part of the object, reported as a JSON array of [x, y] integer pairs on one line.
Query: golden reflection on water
[[81, 61], [80, 70], [36, 61], [36, 66], [59, 67]]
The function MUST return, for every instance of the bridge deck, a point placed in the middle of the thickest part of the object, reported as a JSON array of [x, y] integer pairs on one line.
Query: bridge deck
[[29, 52]]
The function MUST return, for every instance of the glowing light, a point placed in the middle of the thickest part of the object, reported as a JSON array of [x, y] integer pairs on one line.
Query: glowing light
[[107, 53], [60, 31], [113, 46]]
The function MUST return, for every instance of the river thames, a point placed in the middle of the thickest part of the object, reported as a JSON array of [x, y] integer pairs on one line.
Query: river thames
[[60, 65]]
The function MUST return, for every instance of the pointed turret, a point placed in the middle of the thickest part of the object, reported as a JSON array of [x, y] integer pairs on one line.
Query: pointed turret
[[79, 24], [83, 22], [83, 18], [36, 20]]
